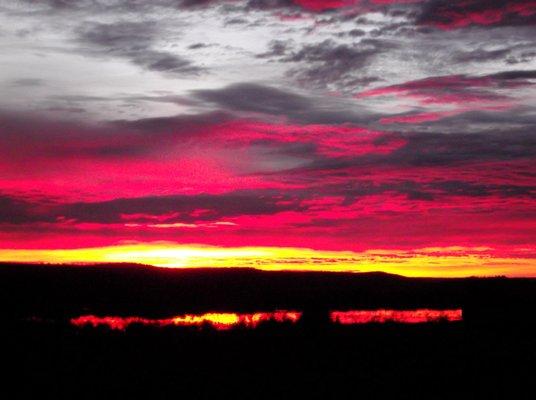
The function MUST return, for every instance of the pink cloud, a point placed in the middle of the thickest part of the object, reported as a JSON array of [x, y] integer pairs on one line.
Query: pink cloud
[[456, 15], [415, 118], [323, 5]]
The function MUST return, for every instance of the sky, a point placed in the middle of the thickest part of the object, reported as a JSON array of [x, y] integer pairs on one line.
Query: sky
[[335, 135]]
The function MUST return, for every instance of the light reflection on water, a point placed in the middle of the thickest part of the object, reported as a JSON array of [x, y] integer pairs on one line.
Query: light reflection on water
[[399, 316], [225, 321], [220, 321]]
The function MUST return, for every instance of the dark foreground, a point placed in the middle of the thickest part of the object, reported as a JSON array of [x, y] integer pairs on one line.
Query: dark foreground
[[492, 353]]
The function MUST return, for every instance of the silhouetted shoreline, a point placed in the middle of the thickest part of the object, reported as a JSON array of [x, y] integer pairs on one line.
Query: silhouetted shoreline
[[490, 353]]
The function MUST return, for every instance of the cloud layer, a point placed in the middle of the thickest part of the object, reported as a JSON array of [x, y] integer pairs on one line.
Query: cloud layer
[[341, 125]]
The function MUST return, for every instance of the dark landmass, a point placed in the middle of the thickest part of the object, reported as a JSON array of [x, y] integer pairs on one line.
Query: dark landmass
[[57, 291], [491, 353]]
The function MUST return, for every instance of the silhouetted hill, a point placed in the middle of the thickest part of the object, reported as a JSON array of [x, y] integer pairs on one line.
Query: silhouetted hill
[[60, 291]]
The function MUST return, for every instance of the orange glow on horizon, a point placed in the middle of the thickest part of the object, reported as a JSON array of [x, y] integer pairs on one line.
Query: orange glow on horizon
[[406, 316], [453, 261], [219, 321]]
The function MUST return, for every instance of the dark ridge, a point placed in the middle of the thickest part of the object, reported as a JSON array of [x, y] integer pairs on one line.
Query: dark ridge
[[61, 291]]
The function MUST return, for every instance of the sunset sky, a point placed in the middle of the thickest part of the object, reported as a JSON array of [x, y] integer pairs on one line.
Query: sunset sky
[[338, 135]]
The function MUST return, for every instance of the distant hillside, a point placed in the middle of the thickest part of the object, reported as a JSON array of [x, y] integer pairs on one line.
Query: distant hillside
[[61, 291]]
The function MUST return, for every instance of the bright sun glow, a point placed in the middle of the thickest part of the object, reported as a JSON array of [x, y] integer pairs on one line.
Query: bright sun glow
[[442, 262]]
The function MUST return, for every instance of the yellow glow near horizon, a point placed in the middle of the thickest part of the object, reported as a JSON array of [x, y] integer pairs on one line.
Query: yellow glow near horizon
[[427, 262]]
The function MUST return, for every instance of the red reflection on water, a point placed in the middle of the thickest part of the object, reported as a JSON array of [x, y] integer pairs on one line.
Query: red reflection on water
[[406, 317], [220, 321]]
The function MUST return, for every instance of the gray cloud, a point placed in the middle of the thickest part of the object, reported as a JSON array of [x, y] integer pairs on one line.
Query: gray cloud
[[14, 210], [329, 63], [427, 150], [27, 82], [180, 208], [276, 48], [256, 98], [133, 41], [189, 125], [214, 206], [480, 55], [456, 148], [304, 108], [510, 75]]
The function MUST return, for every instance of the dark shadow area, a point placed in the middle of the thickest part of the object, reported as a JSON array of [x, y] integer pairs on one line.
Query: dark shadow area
[[491, 353]]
